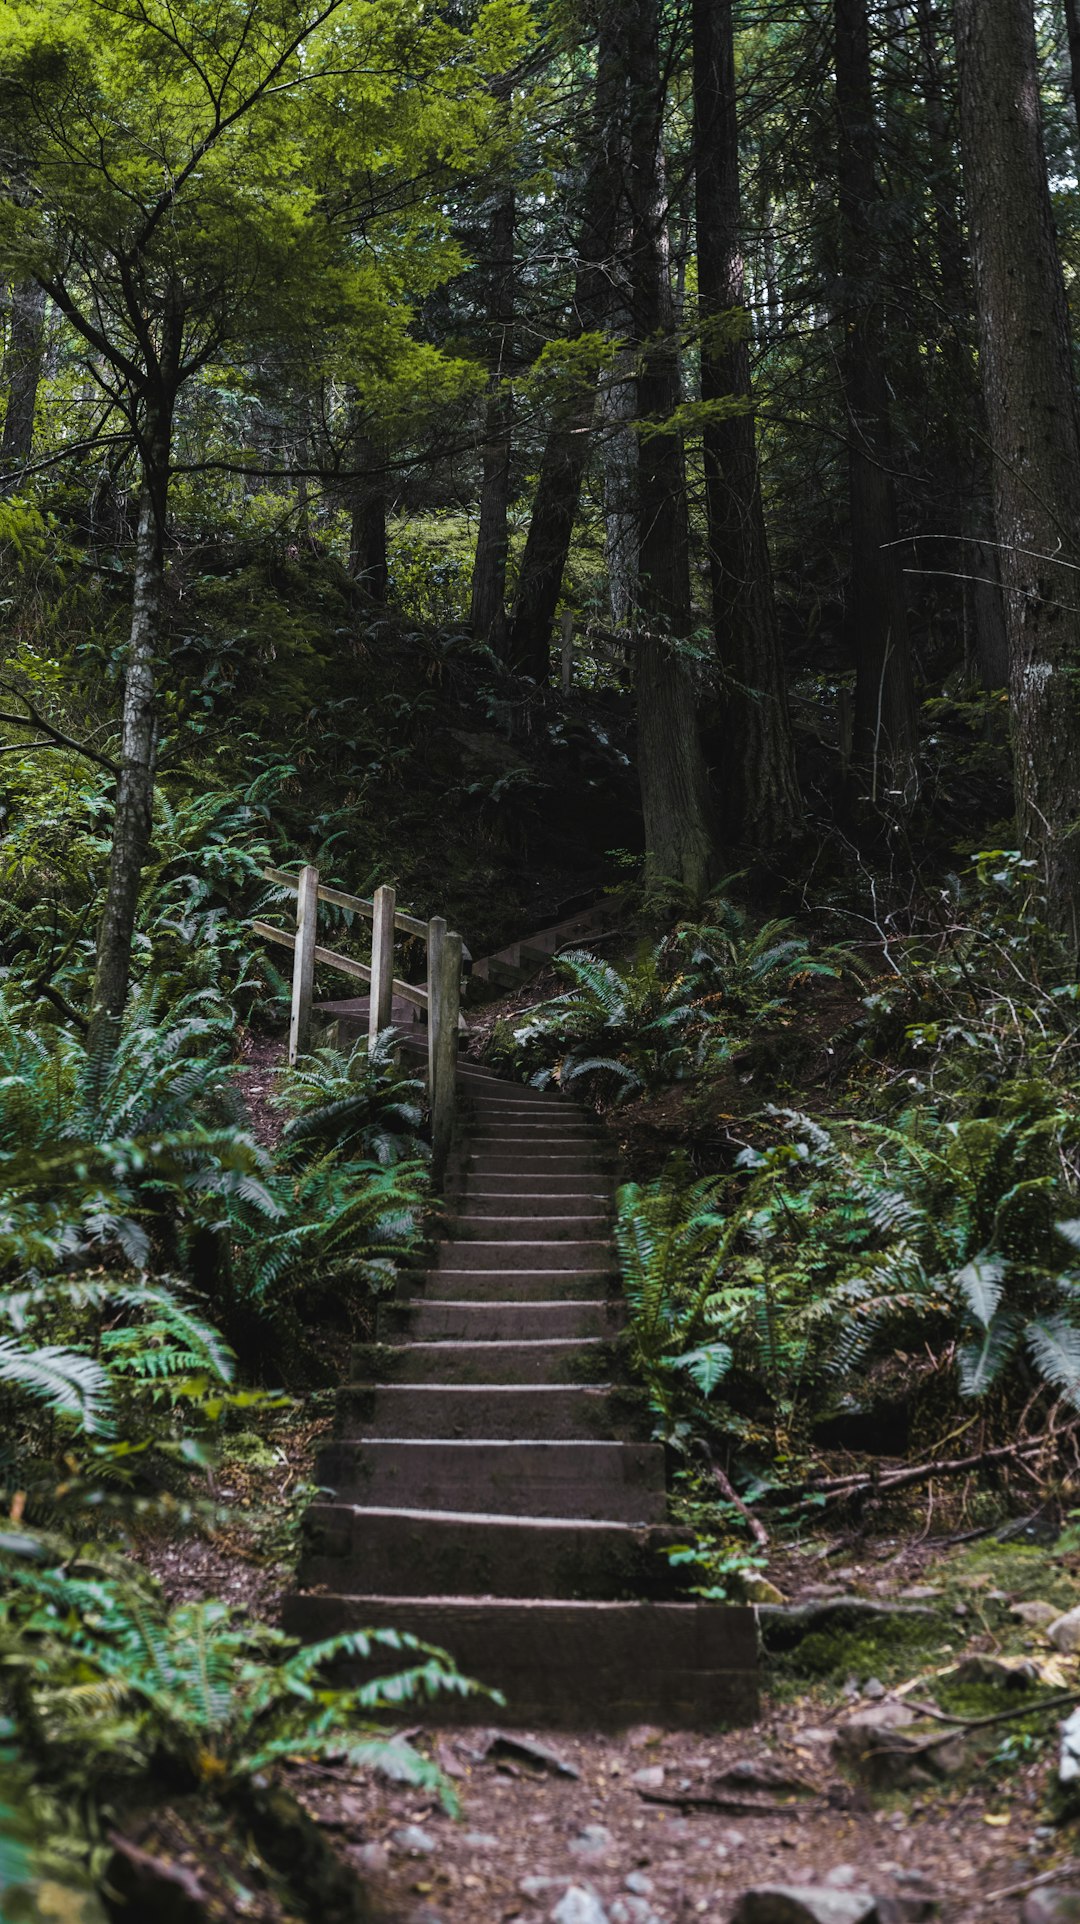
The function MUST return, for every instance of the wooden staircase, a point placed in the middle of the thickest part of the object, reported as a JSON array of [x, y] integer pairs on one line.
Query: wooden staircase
[[493, 1492]]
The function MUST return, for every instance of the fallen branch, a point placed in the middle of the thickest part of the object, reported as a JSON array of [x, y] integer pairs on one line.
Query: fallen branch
[[729, 1806], [1059, 1702], [859, 1484], [753, 1523], [1060, 1872]]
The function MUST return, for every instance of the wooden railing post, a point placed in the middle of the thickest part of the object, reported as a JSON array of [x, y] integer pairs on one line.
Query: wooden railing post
[[382, 963], [444, 1008], [303, 982]]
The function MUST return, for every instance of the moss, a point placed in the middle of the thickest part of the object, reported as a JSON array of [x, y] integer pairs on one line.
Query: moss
[[894, 1649]]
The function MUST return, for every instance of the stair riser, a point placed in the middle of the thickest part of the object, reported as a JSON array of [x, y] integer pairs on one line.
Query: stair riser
[[400, 1555], [491, 1411], [580, 1227], [622, 1482], [519, 1286], [534, 1209], [583, 1167], [569, 1363], [567, 1666], [471, 1322], [525, 1182], [551, 1253]]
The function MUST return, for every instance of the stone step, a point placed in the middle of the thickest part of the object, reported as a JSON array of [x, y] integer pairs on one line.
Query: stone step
[[574, 1360], [519, 1286], [506, 1161], [571, 1226], [410, 1553], [491, 1410], [519, 1204], [502, 1252], [549, 1138], [451, 1321], [517, 1477], [527, 1182], [567, 1665]]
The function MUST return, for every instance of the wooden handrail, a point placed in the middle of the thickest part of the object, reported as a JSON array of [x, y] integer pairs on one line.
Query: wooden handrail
[[439, 1000]]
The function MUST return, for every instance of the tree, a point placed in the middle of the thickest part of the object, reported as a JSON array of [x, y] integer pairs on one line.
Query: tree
[[759, 788], [487, 617], [674, 784], [22, 371], [1027, 379], [188, 184], [885, 722]]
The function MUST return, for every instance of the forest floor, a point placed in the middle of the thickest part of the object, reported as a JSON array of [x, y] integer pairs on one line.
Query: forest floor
[[773, 1804]]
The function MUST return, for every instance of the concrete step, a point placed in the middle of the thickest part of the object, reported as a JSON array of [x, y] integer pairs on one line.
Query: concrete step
[[507, 1161], [527, 1182], [568, 1665], [422, 1322], [550, 1137], [491, 1410], [572, 1360], [516, 1477], [572, 1226], [410, 1553], [519, 1286], [518, 1204], [501, 1252]]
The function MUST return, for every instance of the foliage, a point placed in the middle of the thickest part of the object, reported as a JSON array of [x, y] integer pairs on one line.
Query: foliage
[[360, 1102]]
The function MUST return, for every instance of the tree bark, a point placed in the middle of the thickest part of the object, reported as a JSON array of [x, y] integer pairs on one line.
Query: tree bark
[[133, 812], [885, 715], [1027, 379], [759, 791], [973, 554], [671, 767], [487, 617], [566, 451], [22, 372], [369, 564], [1072, 24]]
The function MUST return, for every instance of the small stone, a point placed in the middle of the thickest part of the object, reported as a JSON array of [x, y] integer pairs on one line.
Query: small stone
[[639, 1883], [804, 1904], [842, 1877], [1064, 1632], [1036, 1613], [919, 1593], [732, 1839], [593, 1841], [1069, 1765], [813, 1735], [538, 1887], [650, 1778], [374, 1858], [579, 1905], [411, 1838], [874, 1690], [480, 1840], [1051, 1907], [630, 1910], [960, 1610]]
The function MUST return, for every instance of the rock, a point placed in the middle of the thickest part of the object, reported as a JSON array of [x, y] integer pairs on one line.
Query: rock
[[505, 1743], [1069, 1765], [650, 1778], [1064, 1632], [1015, 1673], [593, 1841], [760, 1590], [1038, 1614], [637, 1882], [732, 1839], [374, 1858], [919, 1593], [1049, 1906], [630, 1910], [814, 1735], [874, 1690], [842, 1877], [804, 1904], [887, 1747], [579, 1905], [480, 1840], [411, 1838], [538, 1887]]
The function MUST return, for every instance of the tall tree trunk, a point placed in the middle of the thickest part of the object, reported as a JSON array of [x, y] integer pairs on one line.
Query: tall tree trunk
[[1072, 23], [568, 445], [22, 371], [760, 797], [671, 767], [974, 554], [885, 715], [369, 563], [620, 459], [487, 616], [133, 813], [1027, 377]]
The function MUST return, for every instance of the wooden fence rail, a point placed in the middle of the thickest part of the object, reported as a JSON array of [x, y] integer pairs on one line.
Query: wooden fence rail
[[439, 998]]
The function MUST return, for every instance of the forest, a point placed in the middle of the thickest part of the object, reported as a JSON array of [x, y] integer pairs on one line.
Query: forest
[[609, 475]]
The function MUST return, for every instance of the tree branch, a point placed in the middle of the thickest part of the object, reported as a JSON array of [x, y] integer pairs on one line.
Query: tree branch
[[57, 738]]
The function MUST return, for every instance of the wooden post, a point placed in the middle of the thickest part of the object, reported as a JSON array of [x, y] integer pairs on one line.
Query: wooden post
[[444, 1006], [303, 982], [382, 964], [567, 649]]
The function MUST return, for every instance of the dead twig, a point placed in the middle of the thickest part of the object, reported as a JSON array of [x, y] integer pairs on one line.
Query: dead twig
[[753, 1523], [857, 1484], [1060, 1702]]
